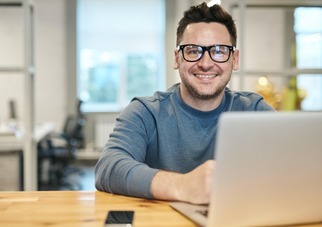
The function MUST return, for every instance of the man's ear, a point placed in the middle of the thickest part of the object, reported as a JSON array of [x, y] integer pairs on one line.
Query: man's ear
[[176, 59], [235, 56]]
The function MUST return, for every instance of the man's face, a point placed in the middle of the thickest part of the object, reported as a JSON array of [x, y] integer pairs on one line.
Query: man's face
[[205, 79]]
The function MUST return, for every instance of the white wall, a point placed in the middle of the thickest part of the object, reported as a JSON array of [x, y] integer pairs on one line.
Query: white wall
[[263, 46], [50, 61]]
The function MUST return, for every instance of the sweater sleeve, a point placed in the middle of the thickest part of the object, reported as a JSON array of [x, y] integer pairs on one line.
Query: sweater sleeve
[[121, 168]]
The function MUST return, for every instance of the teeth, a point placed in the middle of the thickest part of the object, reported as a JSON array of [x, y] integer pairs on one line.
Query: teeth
[[205, 76]]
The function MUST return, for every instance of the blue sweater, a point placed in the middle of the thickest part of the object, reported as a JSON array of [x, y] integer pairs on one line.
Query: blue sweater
[[162, 132]]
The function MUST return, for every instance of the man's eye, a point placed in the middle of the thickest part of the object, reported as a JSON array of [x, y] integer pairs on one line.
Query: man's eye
[[192, 51], [219, 52]]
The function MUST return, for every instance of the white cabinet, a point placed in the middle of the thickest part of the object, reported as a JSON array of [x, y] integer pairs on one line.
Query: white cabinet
[[10, 174]]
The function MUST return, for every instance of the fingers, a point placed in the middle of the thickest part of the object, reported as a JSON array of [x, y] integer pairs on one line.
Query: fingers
[[197, 185], [193, 187]]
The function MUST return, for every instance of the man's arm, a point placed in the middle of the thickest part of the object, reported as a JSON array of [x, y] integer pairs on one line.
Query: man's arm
[[121, 168], [193, 187]]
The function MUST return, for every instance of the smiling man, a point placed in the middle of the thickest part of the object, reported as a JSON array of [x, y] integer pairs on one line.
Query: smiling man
[[208, 56], [162, 146]]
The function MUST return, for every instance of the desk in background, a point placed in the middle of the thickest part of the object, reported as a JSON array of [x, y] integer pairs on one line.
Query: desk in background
[[11, 140], [80, 208], [11, 148]]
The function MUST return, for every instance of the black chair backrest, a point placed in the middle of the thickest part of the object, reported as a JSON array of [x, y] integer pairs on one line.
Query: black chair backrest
[[71, 127]]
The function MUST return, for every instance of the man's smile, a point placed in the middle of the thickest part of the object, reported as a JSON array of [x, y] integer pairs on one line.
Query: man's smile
[[203, 76]]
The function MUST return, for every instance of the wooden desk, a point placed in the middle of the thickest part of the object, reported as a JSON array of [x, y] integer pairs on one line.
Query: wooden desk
[[75, 208], [80, 208]]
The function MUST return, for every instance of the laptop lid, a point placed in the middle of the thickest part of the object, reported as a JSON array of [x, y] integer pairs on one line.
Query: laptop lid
[[268, 169]]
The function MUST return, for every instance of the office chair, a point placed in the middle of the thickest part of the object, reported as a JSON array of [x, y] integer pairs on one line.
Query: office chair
[[60, 151]]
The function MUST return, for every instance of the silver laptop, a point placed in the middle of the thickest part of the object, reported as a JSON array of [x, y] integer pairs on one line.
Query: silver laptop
[[268, 171]]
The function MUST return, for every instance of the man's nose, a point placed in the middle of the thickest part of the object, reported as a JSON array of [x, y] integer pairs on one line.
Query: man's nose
[[205, 61]]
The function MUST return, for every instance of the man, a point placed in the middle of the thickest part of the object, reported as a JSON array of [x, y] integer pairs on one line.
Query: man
[[162, 147]]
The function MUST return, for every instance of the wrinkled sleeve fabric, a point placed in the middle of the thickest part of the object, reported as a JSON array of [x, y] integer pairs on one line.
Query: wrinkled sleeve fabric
[[121, 168]]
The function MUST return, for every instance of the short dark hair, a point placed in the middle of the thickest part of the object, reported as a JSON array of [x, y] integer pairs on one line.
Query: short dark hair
[[203, 13]]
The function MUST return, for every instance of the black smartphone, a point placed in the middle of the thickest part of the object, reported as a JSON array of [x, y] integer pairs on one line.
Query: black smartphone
[[118, 218]]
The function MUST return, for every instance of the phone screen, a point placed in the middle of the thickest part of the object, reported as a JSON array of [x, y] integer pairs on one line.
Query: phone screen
[[119, 217]]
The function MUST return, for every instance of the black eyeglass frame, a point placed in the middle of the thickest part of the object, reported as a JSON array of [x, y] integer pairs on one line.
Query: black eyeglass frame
[[206, 48]]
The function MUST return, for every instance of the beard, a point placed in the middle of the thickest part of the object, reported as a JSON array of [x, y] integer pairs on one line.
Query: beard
[[193, 91]]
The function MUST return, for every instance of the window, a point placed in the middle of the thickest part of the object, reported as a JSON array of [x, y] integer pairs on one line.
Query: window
[[308, 30], [120, 51]]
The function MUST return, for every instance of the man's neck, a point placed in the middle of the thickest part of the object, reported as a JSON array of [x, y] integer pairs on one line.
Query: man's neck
[[201, 104]]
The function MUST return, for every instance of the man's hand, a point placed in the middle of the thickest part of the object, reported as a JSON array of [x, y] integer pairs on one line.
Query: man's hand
[[193, 187]]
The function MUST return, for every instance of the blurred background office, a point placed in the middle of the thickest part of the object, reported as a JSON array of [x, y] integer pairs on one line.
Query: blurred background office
[[92, 56]]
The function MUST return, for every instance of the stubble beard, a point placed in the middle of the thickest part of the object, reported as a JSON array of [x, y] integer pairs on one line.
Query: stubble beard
[[193, 91]]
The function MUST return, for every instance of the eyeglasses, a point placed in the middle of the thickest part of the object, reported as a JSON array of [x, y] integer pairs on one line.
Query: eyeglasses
[[217, 53]]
